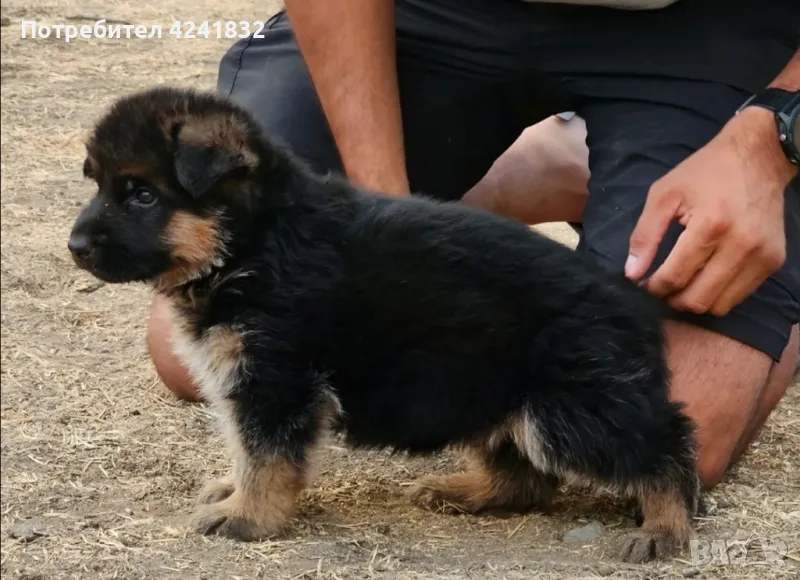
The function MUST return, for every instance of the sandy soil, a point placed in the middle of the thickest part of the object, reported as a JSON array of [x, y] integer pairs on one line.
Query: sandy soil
[[100, 466]]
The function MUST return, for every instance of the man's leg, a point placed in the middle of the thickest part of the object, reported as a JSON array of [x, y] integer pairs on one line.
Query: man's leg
[[780, 377], [541, 178], [723, 368]]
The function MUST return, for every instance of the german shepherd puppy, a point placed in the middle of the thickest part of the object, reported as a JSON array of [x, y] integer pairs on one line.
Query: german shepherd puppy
[[301, 303]]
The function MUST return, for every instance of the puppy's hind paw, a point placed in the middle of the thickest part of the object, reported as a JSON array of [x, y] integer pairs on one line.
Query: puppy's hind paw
[[216, 491], [437, 494], [641, 547]]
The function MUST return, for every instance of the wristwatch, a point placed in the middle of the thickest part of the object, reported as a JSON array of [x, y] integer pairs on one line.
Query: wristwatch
[[786, 107]]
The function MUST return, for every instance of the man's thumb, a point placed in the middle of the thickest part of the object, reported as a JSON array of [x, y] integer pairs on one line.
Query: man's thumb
[[647, 235]]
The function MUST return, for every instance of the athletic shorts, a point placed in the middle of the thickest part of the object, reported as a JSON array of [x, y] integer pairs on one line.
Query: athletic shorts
[[652, 87]]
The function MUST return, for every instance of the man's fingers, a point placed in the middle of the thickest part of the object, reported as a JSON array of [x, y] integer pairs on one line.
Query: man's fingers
[[761, 266], [745, 283], [659, 210], [711, 282], [691, 252]]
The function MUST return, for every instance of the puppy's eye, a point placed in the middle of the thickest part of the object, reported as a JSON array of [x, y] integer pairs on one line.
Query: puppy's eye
[[143, 197]]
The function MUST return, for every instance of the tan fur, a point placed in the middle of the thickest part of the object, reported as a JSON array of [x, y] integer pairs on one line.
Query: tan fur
[[666, 512], [221, 131], [259, 501], [195, 245], [666, 528], [485, 486], [193, 239], [225, 347]]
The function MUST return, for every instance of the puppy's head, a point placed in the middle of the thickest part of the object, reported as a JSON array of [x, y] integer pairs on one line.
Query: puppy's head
[[173, 169]]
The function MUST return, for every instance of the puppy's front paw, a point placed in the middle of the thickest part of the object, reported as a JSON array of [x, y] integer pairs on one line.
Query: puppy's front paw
[[227, 518], [640, 547], [216, 491]]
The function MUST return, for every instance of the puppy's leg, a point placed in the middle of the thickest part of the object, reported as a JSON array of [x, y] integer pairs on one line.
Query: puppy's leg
[[649, 457], [262, 501], [599, 404], [666, 526], [258, 499], [271, 468], [499, 479]]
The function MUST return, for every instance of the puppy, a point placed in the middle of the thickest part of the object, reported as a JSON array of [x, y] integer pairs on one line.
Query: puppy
[[301, 304]]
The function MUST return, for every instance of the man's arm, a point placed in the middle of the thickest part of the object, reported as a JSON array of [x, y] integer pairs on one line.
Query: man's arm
[[349, 48], [729, 197], [789, 79]]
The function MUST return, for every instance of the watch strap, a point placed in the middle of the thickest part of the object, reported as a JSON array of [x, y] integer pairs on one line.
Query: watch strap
[[772, 99]]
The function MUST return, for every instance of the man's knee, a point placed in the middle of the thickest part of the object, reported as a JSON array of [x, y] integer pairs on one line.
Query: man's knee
[[711, 466], [541, 177], [169, 368], [720, 381]]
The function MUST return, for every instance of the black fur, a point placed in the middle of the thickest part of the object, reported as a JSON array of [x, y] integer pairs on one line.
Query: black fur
[[431, 324]]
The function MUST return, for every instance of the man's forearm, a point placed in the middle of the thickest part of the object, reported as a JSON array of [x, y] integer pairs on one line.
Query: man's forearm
[[349, 48]]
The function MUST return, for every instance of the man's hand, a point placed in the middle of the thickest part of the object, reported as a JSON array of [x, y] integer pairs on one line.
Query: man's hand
[[729, 197]]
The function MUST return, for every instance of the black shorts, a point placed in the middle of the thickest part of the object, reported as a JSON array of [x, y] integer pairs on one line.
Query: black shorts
[[474, 73]]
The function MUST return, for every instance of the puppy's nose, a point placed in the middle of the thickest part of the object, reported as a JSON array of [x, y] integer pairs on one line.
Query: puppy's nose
[[80, 245]]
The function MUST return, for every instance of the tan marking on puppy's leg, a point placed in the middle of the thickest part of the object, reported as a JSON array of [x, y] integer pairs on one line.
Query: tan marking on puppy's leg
[[666, 529], [263, 494], [261, 504], [265, 489], [195, 246], [498, 479]]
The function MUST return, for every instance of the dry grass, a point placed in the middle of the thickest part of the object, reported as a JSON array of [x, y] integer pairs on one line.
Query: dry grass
[[100, 466]]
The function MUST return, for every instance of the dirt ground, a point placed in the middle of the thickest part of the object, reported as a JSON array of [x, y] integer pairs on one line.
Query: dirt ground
[[100, 465]]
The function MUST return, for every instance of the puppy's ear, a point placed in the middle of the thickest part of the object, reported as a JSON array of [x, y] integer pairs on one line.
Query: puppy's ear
[[208, 151], [199, 169]]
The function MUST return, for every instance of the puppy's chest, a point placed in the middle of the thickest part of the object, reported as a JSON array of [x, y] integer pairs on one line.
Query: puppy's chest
[[214, 355]]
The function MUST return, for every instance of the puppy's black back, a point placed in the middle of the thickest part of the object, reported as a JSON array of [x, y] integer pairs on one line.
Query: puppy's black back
[[435, 322]]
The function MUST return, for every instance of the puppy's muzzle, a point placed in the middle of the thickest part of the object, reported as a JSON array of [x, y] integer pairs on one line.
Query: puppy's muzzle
[[81, 248]]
